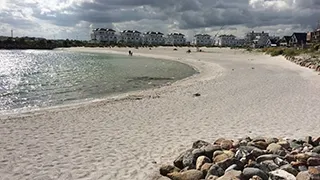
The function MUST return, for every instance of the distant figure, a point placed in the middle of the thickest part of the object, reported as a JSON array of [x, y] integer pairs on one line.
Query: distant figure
[[189, 51], [130, 53]]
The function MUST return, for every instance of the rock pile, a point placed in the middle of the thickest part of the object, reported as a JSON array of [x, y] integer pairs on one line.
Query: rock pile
[[309, 62], [248, 159]]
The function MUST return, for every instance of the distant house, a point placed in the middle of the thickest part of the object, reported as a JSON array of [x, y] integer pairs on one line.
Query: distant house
[[153, 38], [176, 39], [285, 41], [257, 39], [298, 39], [104, 35], [273, 42], [226, 41], [314, 37], [130, 37], [202, 40]]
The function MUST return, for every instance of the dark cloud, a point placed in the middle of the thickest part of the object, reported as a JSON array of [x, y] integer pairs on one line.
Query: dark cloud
[[185, 14]]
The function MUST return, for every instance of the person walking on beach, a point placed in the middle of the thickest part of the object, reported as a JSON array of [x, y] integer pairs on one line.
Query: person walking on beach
[[130, 53]]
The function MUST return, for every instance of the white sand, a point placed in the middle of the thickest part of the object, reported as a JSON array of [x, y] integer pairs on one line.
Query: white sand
[[121, 139]]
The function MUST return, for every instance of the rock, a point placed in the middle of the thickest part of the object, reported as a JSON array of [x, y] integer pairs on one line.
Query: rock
[[215, 170], [210, 149], [220, 158], [212, 177], [266, 157], [236, 144], [250, 172], [312, 154], [231, 175], [216, 153], [199, 144], [274, 148], [178, 162], [298, 163], [166, 169], [256, 152], [302, 157], [302, 168], [205, 168], [272, 140], [314, 171], [284, 144], [218, 141], [316, 141], [189, 160], [259, 144], [313, 161], [289, 169], [303, 176], [186, 175], [256, 139], [225, 163], [226, 144], [316, 150], [280, 162], [230, 168], [308, 140], [281, 175], [201, 161], [270, 164], [289, 158], [230, 154], [243, 143]]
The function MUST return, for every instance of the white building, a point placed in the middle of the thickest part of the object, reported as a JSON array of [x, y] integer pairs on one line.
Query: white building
[[225, 41], [202, 40], [130, 37], [176, 39], [104, 35], [257, 40], [153, 38]]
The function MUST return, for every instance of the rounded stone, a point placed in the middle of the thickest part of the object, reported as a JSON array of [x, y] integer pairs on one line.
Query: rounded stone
[[166, 169], [226, 144], [250, 172], [284, 144], [215, 170], [205, 168], [231, 175], [281, 174], [186, 175], [201, 161], [289, 169], [274, 148], [313, 161], [199, 144]]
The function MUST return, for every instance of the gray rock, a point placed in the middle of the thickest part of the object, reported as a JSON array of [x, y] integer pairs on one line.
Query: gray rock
[[226, 163], [199, 144], [302, 168], [210, 149], [205, 168], [272, 140], [266, 157], [178, 162], [186, 175], [250, 172], [313, 161], [316, 150], [231, 175], [226, 144], [215, 170], [284, 144], [289, 169], [189, 160], [201, 161], [166, 169], [280, 162], [270, 164], [281, 175]]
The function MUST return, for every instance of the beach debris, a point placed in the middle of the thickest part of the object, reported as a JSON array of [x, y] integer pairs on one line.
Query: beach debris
[[189, 51], [232, 69], [175, 49], [197, 95], [249, 159], [252, 68]]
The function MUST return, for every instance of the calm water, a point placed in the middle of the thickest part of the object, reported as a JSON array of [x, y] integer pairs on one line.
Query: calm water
[[33, 78]]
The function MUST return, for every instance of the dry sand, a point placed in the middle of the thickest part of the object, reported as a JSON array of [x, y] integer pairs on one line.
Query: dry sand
[[241, 94]]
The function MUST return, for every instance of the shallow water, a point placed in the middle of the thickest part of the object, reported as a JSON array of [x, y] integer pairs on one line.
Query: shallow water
[[33, 78]]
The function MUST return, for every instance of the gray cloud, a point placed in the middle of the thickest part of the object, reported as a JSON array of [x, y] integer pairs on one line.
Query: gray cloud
[[184, 15]]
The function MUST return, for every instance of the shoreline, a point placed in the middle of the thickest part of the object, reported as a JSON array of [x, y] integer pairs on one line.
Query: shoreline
[[241, 94], [122, 96]]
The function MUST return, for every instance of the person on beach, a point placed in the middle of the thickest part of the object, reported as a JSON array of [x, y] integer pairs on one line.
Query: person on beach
[[130, 53]]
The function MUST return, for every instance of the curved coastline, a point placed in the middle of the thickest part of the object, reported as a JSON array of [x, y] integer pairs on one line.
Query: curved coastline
[[27, 112]]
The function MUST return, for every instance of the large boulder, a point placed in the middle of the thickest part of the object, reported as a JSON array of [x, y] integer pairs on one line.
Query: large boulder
[[215, 170], [199, 144]]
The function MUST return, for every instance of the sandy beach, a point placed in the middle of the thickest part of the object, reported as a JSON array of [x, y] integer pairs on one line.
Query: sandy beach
[[242, 94]]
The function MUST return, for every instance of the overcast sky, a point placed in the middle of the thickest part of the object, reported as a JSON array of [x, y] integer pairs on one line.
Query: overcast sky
[[75, 18]]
